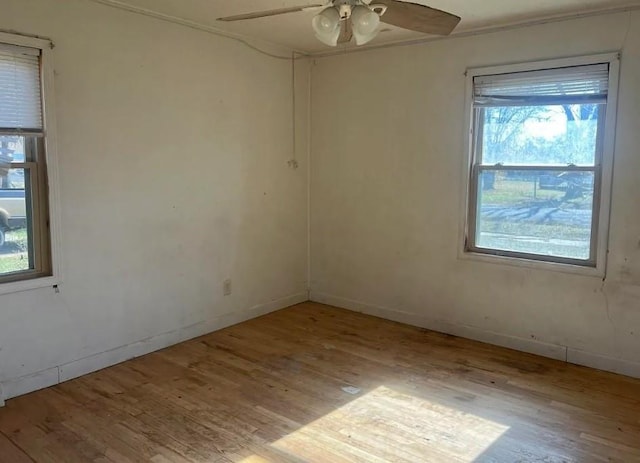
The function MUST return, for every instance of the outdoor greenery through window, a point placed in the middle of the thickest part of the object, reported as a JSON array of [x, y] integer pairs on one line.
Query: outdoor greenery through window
[[536, 179], [24, 226]]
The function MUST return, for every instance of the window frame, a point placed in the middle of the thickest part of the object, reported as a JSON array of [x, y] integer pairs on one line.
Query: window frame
[[52, 274], [602, 188]]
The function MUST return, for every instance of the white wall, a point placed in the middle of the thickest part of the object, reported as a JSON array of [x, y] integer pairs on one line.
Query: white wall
[[173, 150], [386, 186]]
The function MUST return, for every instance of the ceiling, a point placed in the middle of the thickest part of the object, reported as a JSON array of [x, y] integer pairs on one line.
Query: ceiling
[[294, 30]]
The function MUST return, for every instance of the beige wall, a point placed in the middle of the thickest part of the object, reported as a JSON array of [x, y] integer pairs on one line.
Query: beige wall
[[173, 150], [386, 186]]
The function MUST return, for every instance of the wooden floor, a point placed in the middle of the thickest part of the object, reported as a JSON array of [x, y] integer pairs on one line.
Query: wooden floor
[[271, 390]]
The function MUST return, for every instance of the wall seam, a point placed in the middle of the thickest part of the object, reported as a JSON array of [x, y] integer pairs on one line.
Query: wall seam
[[309, 162]]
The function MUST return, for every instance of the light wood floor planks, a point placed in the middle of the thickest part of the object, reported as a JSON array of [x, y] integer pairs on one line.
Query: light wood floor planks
[[271, 390]]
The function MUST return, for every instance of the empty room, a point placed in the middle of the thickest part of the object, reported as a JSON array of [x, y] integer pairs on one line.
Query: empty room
[[350, 231]]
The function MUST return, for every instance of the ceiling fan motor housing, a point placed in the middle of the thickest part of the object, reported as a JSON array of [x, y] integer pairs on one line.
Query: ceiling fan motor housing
[[345, 7], [348, 2]]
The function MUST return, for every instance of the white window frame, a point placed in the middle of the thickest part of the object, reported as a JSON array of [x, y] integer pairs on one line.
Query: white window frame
[[602, 208], [50, 147]]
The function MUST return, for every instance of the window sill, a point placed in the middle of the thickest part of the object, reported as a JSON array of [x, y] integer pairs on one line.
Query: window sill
[[595, 272], [28, 285]]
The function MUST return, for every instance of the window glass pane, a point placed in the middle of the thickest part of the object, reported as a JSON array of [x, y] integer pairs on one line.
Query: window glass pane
[[540, 135], [11, 150], [536, 212], [15, 254]]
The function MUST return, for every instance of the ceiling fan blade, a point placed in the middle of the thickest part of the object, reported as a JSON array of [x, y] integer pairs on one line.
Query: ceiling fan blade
[[264, 14], [418, 18], [346, 34]]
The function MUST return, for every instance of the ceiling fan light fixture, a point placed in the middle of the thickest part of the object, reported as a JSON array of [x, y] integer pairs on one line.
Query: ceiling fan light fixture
[[341, 20], [326, 25]]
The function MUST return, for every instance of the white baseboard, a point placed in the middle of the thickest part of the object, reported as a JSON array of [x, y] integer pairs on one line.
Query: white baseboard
[[51, 376], [602, 362], [33, 382], [58, 374], [532, 346]]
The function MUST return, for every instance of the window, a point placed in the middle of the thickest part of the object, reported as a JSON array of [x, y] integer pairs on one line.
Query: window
[[540, 160], [25, 238]]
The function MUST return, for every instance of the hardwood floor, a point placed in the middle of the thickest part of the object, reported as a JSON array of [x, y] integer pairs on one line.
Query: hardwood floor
[[271, 390]]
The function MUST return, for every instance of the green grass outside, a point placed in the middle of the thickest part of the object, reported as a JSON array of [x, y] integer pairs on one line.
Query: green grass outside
[[514, 192], [561, 232], [14, 254]]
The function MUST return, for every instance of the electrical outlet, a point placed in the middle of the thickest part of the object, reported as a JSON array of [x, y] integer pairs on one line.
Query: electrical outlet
[[226, 287]]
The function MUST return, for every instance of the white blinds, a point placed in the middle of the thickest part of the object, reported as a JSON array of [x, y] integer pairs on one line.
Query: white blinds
[[577, 84], [20, 95]]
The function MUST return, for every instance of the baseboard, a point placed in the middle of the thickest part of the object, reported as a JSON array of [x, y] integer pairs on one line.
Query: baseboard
[[602, 362], [28, 383], [532, 346], [42, 379]]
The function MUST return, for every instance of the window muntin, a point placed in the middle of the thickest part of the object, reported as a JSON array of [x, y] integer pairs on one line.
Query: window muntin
[[536, 171], [25, 250]]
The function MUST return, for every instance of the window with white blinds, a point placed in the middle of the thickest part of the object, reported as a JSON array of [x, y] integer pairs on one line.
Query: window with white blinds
[[576, 84], [25, 230], [541, 159], [20, 92]]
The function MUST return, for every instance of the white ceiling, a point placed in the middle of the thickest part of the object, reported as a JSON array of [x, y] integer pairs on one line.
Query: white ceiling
[[294, 30]]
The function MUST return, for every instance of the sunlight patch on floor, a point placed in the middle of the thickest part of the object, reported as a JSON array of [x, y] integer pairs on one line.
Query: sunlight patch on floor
[[255, 459], [384, 424]]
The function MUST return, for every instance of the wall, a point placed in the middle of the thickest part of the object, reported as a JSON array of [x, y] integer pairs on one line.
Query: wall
[[386, 187], [173, 149]]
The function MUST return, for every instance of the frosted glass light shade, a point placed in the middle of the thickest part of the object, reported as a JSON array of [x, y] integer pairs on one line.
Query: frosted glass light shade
[[326, 25], [365, 24]]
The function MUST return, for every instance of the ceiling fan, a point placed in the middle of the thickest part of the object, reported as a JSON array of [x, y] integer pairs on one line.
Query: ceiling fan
[[338, 21]]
